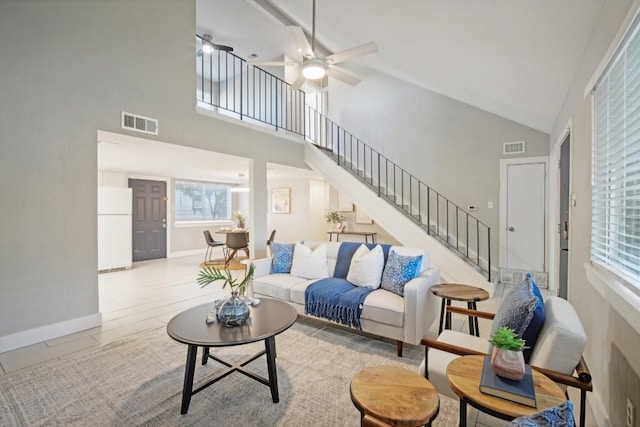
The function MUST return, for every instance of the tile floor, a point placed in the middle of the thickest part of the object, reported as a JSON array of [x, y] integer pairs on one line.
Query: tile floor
[[148, 295]]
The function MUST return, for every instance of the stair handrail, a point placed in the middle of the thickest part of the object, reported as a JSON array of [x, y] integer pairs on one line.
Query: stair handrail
[[251, 93]]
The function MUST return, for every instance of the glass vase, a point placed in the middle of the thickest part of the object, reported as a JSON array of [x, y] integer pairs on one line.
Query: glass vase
[[233, 312]]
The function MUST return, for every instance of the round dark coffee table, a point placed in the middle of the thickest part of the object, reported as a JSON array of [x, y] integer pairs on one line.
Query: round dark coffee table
[[267, 319]]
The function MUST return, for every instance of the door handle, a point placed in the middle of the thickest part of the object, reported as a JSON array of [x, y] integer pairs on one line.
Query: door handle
[[511, 229]]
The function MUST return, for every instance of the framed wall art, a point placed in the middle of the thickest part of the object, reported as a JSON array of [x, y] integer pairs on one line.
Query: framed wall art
[[281, 200]]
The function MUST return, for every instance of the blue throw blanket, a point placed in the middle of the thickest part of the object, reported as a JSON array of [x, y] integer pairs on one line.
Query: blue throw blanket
[[337, 300]]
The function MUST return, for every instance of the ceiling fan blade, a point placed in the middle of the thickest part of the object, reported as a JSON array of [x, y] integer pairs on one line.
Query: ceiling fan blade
[[298, 83], [273, 63], [354, 52], [343, 75], [300, 38]]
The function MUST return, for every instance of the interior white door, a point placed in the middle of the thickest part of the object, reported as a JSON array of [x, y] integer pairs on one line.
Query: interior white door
[[525, 217]]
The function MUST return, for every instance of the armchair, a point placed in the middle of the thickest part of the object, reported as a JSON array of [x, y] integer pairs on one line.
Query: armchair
[[557, 353]]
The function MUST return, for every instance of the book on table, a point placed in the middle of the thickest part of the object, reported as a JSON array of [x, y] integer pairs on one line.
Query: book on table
[[522, 391]]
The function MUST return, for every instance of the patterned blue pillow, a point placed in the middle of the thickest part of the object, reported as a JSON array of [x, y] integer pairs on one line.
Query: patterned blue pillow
[[558, 416], [282, 257], [398, 271], [531, 333], [516, 309]]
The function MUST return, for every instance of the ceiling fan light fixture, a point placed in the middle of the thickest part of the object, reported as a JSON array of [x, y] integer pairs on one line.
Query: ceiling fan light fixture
[[313, 70], [207, 46]]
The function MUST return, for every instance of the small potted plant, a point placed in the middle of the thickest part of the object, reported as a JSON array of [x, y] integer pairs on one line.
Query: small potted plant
[[507, 359], [240, 219], [233, 311], [335, 218]]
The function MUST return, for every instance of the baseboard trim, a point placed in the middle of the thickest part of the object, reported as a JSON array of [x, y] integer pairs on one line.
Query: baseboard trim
[[597, 407], [47, 332]]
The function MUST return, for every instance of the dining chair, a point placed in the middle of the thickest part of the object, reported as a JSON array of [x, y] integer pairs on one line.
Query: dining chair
[[211, 244], [235, 242]]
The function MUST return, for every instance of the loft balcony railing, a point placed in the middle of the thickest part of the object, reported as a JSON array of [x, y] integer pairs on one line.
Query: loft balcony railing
[[227, 83], [237, 89]]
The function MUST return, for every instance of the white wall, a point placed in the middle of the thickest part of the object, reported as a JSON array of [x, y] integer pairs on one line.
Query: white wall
[[613, 340], [452, 147]]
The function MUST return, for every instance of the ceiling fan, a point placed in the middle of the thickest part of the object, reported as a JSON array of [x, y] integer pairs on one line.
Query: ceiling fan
[[208, 46], [314, 65]]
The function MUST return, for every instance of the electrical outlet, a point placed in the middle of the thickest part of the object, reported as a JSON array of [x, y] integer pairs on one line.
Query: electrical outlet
[[630, 413], [490, 205]]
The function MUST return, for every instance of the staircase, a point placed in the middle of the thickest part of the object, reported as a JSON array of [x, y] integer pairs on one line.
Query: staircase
[[417, 215]]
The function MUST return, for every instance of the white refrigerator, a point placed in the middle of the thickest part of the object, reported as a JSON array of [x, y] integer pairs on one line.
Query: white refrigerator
[[114, 228]]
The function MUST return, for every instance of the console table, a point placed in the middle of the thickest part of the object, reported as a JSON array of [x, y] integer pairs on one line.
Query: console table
[[366, 235]]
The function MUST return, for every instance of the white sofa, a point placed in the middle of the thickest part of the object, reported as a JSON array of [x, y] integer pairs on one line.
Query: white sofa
[[402, 318]]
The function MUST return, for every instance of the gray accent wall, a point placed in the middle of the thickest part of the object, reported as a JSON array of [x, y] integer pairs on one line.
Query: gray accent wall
[[452, 147], [68, 69]]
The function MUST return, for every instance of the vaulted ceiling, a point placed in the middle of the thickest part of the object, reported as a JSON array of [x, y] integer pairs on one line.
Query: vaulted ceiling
[[514, 58]]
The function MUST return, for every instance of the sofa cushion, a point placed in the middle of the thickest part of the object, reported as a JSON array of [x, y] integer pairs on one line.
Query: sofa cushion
[[399, 270], [308, 263], [516, 309], [345, 253], [297, 291], [366, 267], [530, 334], [282, 256], [384, 307], [277, 285]]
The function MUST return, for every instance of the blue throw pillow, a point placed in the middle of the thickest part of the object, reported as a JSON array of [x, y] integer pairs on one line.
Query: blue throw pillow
[[282, 257], [516, 309], [558, 416], [531, 333], [398, 271]]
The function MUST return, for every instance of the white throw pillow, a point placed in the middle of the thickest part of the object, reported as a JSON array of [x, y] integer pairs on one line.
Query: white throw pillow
[[310, 264], [366, 267]]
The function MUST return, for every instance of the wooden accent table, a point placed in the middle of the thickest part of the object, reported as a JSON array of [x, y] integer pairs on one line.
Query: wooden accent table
[[366, 235], [455, 292], [395, 396], [266, 320], [463, 376]]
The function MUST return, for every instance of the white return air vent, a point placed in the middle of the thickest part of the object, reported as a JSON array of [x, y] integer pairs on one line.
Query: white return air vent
[[139, 123], [513, 147]]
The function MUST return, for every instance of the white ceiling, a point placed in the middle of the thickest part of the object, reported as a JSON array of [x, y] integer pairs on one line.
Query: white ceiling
[[514, 58], [157, 159]]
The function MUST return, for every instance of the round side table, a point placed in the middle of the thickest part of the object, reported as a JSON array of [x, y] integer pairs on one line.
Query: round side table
[[455, 292], [463, 376], [395, 396]]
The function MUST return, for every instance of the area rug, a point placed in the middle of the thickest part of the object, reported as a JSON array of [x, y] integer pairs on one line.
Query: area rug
[[138, 381]]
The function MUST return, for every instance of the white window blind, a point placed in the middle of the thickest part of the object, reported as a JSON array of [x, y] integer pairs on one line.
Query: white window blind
[[615, 235], [202, 201]]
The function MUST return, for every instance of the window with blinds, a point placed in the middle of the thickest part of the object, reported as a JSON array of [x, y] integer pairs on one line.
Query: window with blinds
[[615, 230], [202, 201]]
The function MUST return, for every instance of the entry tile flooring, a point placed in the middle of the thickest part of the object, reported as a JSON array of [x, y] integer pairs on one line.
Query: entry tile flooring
[[150, 293]]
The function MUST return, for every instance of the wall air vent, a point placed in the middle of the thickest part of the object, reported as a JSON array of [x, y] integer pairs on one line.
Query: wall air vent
[[139, 123], [513, 147]]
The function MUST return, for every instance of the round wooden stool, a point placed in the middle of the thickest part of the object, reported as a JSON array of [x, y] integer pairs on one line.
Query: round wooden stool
[[395, 396], [451, 291]]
